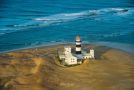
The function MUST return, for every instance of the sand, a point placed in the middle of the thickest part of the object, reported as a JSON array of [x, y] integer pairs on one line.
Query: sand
[[39, 69]]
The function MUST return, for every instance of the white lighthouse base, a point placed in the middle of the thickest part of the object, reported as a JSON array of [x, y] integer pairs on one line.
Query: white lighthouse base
[[70, 58]]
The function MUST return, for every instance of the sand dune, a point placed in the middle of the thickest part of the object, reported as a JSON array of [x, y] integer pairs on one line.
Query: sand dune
[[39, 69]]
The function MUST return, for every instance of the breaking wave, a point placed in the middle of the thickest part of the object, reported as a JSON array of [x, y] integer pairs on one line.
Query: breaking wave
[[66, 17]]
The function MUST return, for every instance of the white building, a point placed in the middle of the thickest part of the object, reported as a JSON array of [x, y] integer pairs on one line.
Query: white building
[[69, 58]]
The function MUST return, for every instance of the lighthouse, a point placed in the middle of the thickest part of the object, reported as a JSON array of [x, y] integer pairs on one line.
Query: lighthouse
[[69, 57], [78, 45]]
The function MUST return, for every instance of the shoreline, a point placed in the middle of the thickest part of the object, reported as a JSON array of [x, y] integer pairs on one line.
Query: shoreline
[[119, 46]]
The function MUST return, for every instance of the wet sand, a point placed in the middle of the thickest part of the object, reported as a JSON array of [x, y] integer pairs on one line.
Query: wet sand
[[39, 69]]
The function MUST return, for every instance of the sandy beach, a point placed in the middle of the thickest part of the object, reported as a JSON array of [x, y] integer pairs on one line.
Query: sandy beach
[[39, 69]]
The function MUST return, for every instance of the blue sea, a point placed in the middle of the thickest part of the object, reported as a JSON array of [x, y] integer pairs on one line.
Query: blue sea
[[31, 23]]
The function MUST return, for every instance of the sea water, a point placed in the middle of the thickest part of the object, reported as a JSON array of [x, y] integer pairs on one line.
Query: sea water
[[30, 23]]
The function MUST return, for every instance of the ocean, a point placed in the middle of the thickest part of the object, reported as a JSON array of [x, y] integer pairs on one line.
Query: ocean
[[31, 23]]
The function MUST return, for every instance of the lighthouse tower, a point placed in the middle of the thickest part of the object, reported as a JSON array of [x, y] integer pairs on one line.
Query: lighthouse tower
[[78, 45]]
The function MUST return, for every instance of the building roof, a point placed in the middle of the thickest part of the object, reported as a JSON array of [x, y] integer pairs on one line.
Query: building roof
[[67, 46]]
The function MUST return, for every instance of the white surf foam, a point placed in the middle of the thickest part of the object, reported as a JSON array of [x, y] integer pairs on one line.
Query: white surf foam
[[64, 17], [99, 14]]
